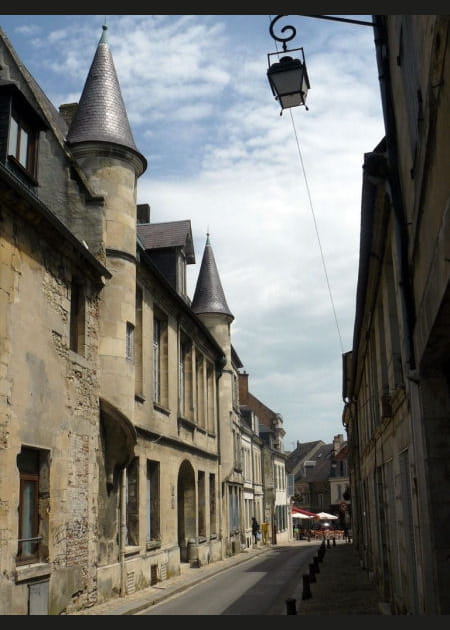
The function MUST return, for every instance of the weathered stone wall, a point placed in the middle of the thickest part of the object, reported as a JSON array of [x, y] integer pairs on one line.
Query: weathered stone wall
[[48, 401]]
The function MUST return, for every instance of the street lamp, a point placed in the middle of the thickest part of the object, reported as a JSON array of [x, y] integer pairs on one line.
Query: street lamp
[[287, 77]]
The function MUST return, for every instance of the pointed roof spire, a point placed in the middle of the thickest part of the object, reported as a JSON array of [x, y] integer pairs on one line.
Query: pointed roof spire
[[101, 114], [209, 296]]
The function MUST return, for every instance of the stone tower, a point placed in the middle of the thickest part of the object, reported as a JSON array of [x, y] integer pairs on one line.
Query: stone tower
[[101, 141], [210, 305]]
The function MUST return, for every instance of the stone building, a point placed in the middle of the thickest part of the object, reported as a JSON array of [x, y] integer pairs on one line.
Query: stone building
[[121, 437], [396, 376], [276, 502]]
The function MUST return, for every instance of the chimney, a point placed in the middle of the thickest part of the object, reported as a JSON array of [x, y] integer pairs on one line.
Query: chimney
[[337, 443], [143, 213], [67, 111], [243, 388]]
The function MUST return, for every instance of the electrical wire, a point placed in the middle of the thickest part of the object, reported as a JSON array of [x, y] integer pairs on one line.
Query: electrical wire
[[314, 219], [317, 232]]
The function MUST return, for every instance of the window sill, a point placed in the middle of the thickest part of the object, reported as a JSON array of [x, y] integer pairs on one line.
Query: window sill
[[22, 170], [31, 571], [188, 424], [78, 358], [153, 544], [132, 550], [163, 410]]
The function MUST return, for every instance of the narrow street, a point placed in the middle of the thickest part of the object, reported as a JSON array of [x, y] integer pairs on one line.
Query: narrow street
[[257, 587]]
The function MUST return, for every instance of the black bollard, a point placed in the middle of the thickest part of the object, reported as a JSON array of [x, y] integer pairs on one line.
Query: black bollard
[[312, 573], [306, 587], [328, 543], [316, 564], [291, 608], [334, 541]]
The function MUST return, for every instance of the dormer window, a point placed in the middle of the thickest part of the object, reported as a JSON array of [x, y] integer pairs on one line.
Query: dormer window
[[20, 126], [22, 144]]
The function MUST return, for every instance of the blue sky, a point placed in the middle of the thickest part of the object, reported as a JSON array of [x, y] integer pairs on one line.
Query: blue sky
[[279, 195]]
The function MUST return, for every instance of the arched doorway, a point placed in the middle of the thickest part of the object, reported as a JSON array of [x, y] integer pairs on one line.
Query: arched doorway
[[187, 531]]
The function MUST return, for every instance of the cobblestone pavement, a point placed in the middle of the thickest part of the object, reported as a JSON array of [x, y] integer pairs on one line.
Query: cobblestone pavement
[[341, 587]]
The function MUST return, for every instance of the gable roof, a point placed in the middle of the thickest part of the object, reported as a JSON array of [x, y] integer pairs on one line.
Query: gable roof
[[45, 107], [167, 235], [304, 451], [320, 469]]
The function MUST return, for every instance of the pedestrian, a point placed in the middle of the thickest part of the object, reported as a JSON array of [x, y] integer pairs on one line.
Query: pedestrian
[[255, 529]]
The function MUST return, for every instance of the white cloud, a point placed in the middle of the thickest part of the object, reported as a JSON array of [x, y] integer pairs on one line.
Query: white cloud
[[220, 154]]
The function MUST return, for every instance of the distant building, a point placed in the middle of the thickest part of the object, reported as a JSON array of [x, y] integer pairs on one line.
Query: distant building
[[276, 512], [320, 477]]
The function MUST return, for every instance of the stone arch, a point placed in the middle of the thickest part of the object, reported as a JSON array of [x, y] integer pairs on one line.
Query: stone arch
[[187, 511]]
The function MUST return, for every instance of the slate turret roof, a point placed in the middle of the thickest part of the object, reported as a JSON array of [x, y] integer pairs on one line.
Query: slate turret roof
[[209, 296], [101, 114]]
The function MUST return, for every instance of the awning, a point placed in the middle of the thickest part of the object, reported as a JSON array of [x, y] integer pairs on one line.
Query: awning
[[304, 513], [324, 516]]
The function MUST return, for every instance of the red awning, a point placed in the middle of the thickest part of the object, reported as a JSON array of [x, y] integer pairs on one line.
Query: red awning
[[296, 510]]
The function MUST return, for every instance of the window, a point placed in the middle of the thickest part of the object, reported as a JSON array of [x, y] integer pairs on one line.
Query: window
[[212, 504], [132, 504], [210, 398], [138, 375], [152, 506], [201, 503], [185, 378], [130, 341], [233, 506], [156, 359], [235, 392], [181, 274], [33, 501], [200, 382], [160, 359], [77, 318], [22, 144]]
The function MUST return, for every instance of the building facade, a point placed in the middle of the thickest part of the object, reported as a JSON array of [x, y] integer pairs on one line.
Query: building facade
[[396, 377], [122, 441], [276, 502]]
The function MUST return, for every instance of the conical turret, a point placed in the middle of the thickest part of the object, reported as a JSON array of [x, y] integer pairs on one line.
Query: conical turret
[[209, 297], [101, 142], [101, 115]]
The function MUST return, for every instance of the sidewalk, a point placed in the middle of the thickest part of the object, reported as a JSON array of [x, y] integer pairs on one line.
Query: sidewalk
[[342, 587]]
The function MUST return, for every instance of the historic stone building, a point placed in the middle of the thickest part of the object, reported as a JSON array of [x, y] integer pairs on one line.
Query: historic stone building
[[120, 429], [396, 383], [276, 502], [321, 482]]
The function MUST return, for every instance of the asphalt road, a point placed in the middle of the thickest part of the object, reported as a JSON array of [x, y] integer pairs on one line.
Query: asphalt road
[[259, 586]]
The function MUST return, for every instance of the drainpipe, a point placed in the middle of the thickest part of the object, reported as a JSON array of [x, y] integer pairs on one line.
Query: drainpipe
[[123, 529]]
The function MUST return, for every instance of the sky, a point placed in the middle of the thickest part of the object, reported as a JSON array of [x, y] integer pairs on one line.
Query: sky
[[279, 195]]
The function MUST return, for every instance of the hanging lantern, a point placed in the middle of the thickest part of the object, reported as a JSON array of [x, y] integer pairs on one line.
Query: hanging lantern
[[289, 81], [287, 77]]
